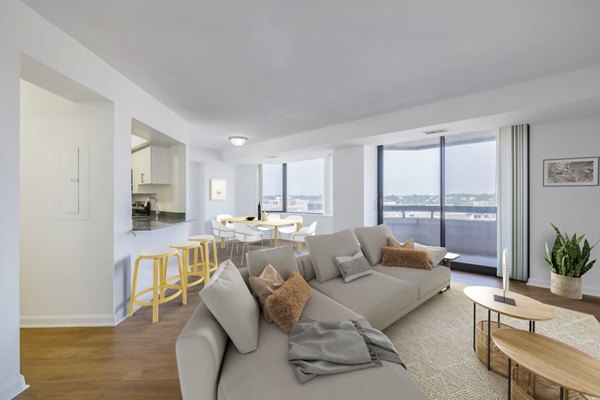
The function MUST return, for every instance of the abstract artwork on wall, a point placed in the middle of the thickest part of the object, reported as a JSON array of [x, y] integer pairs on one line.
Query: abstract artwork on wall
[[218, 189], [571, 172]]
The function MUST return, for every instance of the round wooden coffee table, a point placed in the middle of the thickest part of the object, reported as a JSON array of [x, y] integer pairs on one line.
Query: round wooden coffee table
[[564, 365], [525, 308]]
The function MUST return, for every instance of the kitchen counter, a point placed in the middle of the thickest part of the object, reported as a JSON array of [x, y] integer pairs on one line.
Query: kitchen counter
[[164, 220]]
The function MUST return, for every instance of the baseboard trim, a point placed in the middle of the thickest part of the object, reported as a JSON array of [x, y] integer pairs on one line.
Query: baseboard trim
[[66, 321], [13, 388], [590, 291]]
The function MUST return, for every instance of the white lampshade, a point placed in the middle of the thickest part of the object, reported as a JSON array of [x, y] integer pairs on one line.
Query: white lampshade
[[237, 140]]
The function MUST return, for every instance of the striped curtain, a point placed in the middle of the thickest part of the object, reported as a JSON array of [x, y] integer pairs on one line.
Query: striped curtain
[[513, 199]]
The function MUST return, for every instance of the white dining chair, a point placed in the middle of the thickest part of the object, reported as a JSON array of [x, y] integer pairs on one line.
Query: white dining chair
[[268, 230], [288, 230], [221, 217], [298, 237], [245, 235], [222, 232]]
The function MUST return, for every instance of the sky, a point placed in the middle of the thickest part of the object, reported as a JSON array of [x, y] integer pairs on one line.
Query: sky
[[304, 177], [470, 168]]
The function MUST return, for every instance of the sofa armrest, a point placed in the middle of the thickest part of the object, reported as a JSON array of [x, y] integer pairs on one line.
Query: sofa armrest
[[200, 348]]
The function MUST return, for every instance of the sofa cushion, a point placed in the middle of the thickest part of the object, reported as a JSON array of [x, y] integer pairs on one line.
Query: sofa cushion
[[353, 267], [324, 248], [371, 240], [229, 300], [267, 372], [400, 257], [305, 267], [426, 281], [281, 258], [436, 254], [377, 297], [286, 304]]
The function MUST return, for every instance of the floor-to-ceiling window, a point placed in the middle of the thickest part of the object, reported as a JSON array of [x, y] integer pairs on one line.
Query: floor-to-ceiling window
[[442, 191], [470, 199], [411, 191]]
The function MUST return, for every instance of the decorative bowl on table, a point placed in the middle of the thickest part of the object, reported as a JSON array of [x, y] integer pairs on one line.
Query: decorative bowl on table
[[250, 218]]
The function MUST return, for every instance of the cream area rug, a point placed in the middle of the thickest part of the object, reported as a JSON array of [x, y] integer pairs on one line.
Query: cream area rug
[[435, 342]]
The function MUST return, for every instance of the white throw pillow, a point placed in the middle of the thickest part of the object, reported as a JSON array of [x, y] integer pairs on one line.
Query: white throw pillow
[[229, 300], [436, 254]]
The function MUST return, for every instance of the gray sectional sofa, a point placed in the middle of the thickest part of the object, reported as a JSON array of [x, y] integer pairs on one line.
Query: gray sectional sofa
[[210, 367]]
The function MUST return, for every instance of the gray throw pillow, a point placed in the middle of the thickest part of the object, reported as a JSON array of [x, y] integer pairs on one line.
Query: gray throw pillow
[[227, 297], [436, 254], [281, 258], [353, 267], [324, 248]]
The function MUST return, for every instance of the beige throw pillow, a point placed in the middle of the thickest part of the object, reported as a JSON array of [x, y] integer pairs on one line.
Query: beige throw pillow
[[287, 303], [265, 285], [399, 257], [409, 244]]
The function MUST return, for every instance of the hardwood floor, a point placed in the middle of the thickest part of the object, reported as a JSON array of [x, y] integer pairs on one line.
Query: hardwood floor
[[136, 360]]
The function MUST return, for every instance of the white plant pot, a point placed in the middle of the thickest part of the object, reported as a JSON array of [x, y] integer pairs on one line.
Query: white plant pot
[[565, 286]]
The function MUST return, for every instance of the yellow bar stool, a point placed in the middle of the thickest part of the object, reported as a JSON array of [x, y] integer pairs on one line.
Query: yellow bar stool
[[205, 241], [160, 263], [190, 269]]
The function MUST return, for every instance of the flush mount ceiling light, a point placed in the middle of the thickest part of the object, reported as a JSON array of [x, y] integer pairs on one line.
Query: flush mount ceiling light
[[237, 140]]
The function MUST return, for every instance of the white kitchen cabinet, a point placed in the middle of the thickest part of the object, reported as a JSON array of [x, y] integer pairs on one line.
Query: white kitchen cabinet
[[151, 165]]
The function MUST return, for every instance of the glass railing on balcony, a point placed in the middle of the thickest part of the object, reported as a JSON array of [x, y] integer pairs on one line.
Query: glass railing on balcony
[[470, 230]]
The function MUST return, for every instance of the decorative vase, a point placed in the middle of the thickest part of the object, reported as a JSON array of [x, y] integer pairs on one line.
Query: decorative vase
[[566, 286]]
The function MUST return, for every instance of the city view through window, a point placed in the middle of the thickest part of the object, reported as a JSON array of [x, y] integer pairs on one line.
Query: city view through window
[[412, 184], [301, 183]]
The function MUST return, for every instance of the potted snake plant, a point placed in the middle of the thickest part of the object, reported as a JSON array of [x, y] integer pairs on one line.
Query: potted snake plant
[[569, 259]]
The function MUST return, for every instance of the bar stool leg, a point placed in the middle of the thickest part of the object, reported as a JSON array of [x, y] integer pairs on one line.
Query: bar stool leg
[[163, 263], [205, 260], [155, 291], [182, 276], [133, 286], [185, 265], [214, 249]]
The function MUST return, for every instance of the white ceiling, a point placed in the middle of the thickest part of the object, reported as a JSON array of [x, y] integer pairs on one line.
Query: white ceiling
[[269, 68]]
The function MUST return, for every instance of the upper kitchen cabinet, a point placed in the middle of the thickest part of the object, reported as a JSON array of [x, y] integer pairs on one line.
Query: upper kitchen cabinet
[[151, 165]]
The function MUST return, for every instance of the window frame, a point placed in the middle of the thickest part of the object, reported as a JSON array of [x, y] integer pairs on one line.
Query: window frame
[[326, 181]]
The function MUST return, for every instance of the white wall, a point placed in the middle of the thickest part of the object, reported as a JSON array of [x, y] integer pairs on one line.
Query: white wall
[[572, 208], [66, 265], [218, 170], [24, 31], [11, 380], [246, 189], [196, 197], [354, 187]]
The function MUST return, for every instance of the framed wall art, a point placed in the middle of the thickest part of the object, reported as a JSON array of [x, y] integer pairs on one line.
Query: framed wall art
[[218, 189], [571, 172]]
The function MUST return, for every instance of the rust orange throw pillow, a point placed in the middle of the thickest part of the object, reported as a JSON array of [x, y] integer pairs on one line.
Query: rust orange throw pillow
[[399, 257], [285, 305]]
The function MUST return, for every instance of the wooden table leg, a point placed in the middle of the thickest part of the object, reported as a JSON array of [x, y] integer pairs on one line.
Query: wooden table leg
[[509, 377], [275, 237], [474, 325], [489, 340]]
